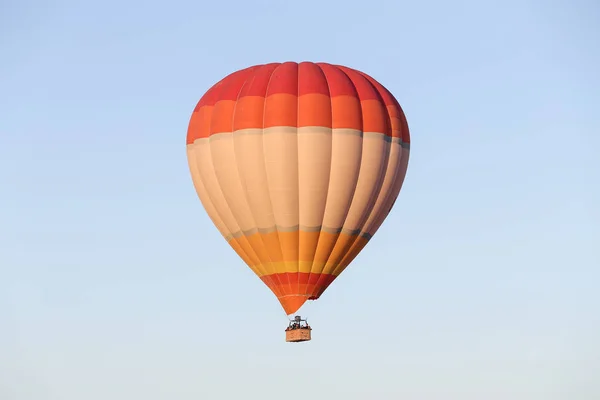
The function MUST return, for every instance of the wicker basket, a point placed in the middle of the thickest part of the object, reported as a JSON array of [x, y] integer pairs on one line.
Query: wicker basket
[[298, 335]]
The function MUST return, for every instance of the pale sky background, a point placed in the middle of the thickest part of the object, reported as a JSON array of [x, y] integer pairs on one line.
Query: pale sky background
[[481, 285]]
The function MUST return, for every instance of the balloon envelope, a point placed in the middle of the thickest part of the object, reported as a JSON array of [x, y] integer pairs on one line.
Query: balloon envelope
[[298, 165]]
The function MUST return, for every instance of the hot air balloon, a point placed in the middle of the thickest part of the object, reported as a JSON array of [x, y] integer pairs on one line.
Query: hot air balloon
[[298, 165]]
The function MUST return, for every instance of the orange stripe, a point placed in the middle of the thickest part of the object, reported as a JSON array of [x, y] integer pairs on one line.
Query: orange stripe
[[270, 95], [254, 112], [199, 126], [289, 247], [375, 117], [222, 117], [249, 113], [280, 110], [346, 113], [245, 250], [314, 110], [350, 254]]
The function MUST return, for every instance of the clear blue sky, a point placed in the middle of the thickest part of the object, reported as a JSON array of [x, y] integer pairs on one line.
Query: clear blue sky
[[481, 285]]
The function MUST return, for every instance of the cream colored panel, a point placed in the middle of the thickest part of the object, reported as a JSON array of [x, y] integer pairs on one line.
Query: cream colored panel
[[226, 172], [251, 168], [391, 174], [203, 194], [346, 155], [373, 166], [345, 165], [314, 165], [281, 164], [374, 225], [203, 157]]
